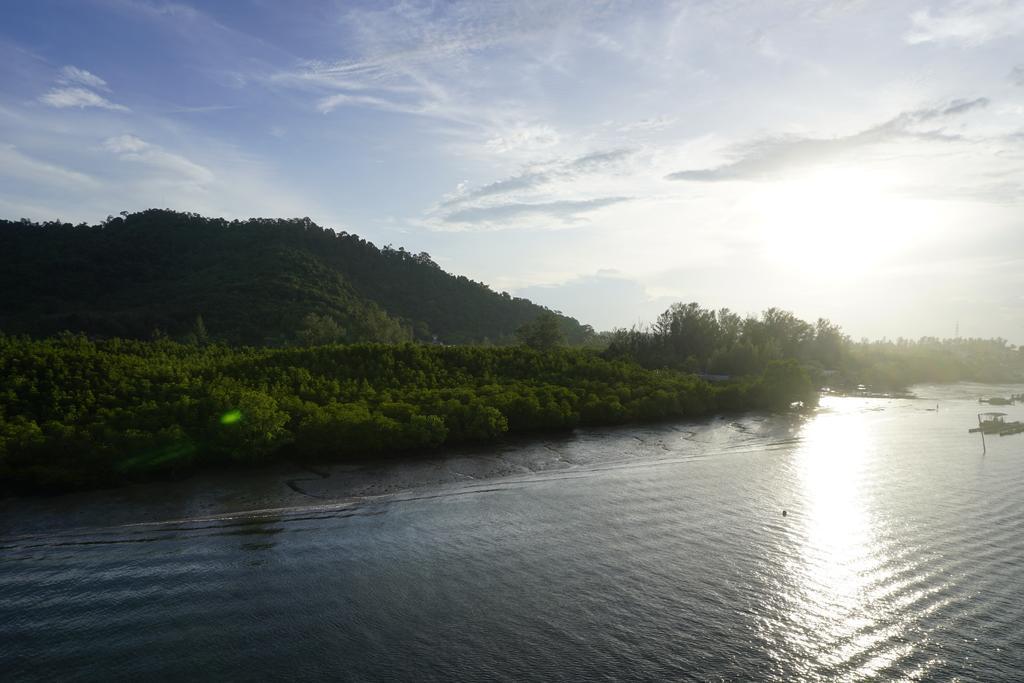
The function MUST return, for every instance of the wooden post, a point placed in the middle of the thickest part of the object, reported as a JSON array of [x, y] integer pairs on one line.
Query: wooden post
[[981, 429]]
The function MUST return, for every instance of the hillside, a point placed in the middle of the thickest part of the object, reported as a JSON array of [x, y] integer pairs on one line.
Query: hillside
[[261, 281]]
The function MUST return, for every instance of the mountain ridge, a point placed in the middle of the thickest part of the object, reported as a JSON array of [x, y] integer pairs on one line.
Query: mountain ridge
[[259, 281]]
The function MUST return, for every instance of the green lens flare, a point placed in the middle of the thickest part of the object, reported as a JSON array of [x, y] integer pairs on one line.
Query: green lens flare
[[231, 417]]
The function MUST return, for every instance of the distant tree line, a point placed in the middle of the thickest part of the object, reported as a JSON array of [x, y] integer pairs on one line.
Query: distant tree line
[[691, 338]]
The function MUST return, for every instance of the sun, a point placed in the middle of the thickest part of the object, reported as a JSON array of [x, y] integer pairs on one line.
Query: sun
[[837, 221]]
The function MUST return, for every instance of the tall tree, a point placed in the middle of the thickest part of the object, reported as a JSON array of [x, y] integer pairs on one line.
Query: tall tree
[[541, 333]]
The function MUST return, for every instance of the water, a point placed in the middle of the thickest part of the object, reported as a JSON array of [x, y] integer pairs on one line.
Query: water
[[664, 555]]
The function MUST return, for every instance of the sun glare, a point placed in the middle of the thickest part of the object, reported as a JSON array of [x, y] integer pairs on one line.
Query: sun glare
[[838, 550], [836, 221]]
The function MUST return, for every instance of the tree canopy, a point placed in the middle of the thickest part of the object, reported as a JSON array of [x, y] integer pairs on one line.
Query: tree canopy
[[77, 413], [542, 333], [252, 282]]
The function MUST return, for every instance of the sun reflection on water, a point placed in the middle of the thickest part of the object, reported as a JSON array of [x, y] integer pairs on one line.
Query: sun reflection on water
[[838, 563]]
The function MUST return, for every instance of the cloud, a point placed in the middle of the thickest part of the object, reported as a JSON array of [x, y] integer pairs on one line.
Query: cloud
[[63, 98], [329, 104], [72, 75], [969, 22], [955, 107], [444, 61], [134, 149], [14, 164], [544, 196], [1017, 75], [76, 88], [598, 161], [648, 125], [564, 211], [768, 156], [528, 137], [125, 144], [540, 175], [524, 181]]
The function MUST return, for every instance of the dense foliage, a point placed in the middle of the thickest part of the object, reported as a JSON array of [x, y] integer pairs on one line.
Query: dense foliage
[[895, 364], [77, 413], [695, 339], [261, 281], [541, 333]]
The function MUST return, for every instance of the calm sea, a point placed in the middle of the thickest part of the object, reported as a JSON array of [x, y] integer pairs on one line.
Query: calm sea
[[900, 556]]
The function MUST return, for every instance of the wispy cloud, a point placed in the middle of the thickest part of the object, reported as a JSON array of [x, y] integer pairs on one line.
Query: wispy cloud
[[1017, 75], [772, 155], [539, 175], [133, 149], [968, 22], [15, 164], [77, 89], [545, 195], [424, 59], [328, 104], [72, 75], [648, 125], [518, 183], [562, 212], [63, 98]]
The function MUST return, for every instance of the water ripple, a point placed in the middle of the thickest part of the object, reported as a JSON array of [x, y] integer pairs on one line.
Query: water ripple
[[899, 557]]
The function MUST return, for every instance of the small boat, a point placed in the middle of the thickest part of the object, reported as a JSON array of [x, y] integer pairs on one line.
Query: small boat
[[993, 423]]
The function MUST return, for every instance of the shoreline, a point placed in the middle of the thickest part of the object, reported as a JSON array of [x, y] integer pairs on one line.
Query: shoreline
[[221, 495], [240, 492]]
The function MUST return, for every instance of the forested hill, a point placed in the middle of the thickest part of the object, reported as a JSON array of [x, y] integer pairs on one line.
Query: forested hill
[[261, 281]]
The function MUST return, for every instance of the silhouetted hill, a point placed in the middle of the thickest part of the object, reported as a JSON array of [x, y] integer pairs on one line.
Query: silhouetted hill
[[261, 281]]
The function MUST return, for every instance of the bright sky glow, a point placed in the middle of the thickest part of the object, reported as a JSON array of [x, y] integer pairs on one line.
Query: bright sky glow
[[857, 160]]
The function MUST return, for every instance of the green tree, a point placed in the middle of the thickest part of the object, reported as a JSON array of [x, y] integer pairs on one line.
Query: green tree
[[320, 329], [199, 330], [542, 333], [784, 382]]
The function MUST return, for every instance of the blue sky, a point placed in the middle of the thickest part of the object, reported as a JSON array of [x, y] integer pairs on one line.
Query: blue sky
[[854, 160]]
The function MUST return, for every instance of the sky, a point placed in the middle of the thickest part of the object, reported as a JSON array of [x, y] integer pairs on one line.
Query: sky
[[854, 160]]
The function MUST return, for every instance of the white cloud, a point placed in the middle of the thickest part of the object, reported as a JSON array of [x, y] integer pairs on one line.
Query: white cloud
[[650, 124], [524, 137], [969, 22], [548, 195], [15, 164], [422, 59], [768, 157], [72, 75], [134, 149], [332, 102], [63, 98], [125, 144], [540, 176], [558, 213]]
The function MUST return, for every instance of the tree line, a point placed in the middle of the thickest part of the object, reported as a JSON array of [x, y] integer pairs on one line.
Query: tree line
[[692, 338], [79, 413]]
